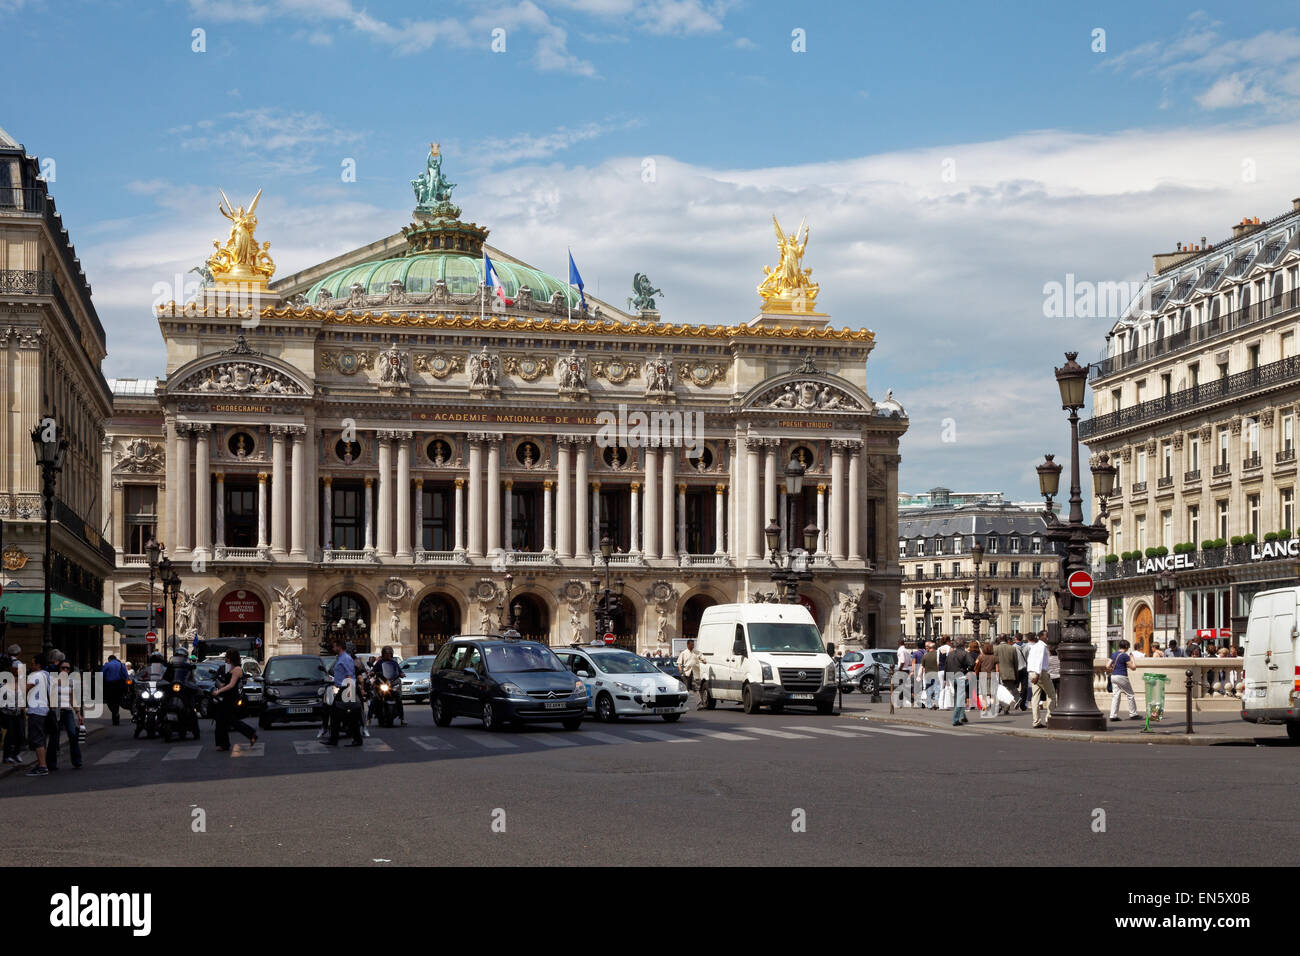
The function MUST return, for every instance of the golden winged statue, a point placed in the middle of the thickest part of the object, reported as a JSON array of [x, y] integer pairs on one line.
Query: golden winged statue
[[789, 287], [240, 259]]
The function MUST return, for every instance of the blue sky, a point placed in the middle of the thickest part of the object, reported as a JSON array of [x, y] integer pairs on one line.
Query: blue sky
[[951, 159]]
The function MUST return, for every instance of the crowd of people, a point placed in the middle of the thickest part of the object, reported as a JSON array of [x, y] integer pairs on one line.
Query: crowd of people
[[47, 711]]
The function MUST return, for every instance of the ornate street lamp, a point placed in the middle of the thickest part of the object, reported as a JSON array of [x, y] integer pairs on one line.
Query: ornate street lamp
[[51, 449], [975, 615], [609, 599], [172, 587], [164, 575], [1076, 708], [322, 628], [153, 549], [790, 569]]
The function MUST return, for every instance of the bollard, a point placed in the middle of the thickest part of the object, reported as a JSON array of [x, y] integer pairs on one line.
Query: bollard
[[891, 688], [1189, 700], [875, 685]]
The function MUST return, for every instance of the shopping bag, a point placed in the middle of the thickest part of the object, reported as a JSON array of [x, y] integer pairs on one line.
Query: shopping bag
[[1004, 696]]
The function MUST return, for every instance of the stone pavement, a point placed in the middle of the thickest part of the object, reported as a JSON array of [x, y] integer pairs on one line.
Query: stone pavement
[[1224, 728]]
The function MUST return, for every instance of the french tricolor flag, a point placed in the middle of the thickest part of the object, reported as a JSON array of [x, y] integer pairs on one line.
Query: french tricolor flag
[[491, 279]]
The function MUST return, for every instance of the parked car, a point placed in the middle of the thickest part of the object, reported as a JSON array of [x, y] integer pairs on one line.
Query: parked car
[[623, 684], [863, 670], [294, 689], [504, 682], [417, 675]]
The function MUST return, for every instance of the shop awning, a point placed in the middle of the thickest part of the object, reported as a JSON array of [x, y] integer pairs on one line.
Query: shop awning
[[28, 607]]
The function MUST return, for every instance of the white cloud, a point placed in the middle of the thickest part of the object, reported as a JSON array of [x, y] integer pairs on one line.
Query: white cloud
[[659, 16], [948, 274]]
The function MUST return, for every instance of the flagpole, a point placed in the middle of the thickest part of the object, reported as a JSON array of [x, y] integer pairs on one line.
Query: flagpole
[[482, 295], [567, 297]]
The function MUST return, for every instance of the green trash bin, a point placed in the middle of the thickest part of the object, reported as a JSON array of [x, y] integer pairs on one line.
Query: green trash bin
[[1155, 694]]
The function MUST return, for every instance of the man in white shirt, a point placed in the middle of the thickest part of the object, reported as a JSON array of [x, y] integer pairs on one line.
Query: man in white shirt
[[1040, 680], [38, 713], [688, 662], [903, 676], [945, 698]]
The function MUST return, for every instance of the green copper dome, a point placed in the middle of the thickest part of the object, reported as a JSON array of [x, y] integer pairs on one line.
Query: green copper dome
[[418, 273]]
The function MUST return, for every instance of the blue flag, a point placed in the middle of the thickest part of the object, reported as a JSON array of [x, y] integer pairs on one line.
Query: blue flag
[[575, 279]]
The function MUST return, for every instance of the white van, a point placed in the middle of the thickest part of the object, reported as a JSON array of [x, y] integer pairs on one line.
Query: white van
[[1272, 693], [764, 654]]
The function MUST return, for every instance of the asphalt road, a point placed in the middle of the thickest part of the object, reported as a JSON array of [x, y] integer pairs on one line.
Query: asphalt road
[[715, 788]]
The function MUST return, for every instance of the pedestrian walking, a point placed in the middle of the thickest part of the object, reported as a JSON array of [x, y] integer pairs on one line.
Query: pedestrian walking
[[959, 663], [1022, 671], [688, 662], [1040, 678], [65, 715], [1053, 663], [987, 680], [114, 674], [226, 697], [1118, 667], [903, 681], [38, 714], [930, 672], [1008, 671], [12, 715], [346, 708]]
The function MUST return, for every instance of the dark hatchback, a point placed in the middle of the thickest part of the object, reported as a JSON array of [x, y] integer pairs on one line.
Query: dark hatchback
[[293, 688], [504, 682]]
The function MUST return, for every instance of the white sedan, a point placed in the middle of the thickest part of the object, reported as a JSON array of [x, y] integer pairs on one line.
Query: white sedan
[[622, 684]]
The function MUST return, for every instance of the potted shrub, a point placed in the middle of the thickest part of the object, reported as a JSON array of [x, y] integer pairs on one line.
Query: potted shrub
[[1284, 534], [1248, 538], [1112, 559], [1270, 537], [1235, 540]]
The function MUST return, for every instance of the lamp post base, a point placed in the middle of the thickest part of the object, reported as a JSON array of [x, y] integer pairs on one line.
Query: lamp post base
[[1076, 708]]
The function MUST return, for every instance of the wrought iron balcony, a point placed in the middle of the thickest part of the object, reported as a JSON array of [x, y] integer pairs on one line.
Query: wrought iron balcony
[[1273, 375], [1251, 462], [1138, 488], [1193, 476], [1217, 327], [1165, 481], [1220, 470], [22, 282], [1284, 456]]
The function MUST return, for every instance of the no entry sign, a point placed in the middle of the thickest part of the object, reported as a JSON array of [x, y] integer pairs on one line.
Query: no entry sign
[[1080, 584], [151, 637]]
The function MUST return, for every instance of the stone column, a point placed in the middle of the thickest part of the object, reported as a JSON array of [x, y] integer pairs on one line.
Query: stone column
[[771, 448], [838, 488], [169, 529], [650, 520], [753, 533], [261, 509], [298, 531], [370, 514], [402, 490], [509, 510], [184, 485], [202, 490], [681, 519], [821, 519], [475, 480], [460, 514], [595, 517], [277, 490], [734, 540], [581, 530], [634, 507], [667, 518], [887, 550], [548, 530], [221, 510], [855, 500], [564, 505], [327, 507], [418, 490], [719, 513], [119, 516], [385, 536], [494, 494]]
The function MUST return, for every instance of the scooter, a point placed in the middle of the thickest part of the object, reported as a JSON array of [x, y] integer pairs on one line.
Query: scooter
[[147, 707]]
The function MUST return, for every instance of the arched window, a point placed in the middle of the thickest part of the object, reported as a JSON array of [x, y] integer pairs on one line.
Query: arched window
[[339, 607]]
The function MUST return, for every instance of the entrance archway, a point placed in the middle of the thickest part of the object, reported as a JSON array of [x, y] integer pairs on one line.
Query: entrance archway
[[624, 627], [437, 622], [532, 619], [241, 613], [692, 610], [1143, 626], [339, 605]]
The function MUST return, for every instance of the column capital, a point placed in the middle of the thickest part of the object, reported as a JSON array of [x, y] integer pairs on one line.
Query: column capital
[[261, 477], [327, 480], [219, 475], [199, 428], [385, 435], [580, 439], [595, 485], [369, 481], [510, 484], [403, 435], [720, 489], [278, 432], [636, 486], [419, 482], [493, 436], [460, 482], [842, 445], [821, 489], [475, 438], [548, 484], [681, 487], [780, 488], [754, 445], [299, 432]]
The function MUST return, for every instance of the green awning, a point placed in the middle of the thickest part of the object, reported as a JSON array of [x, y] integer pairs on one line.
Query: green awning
[[28, 607]]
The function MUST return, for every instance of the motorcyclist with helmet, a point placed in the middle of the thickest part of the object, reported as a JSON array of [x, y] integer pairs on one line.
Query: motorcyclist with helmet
[[386, 671]]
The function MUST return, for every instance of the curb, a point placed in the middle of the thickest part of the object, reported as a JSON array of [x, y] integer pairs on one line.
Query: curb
[[1161, 737], [8, 769]]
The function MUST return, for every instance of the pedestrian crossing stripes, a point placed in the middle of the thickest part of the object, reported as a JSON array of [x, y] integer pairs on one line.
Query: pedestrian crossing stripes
[[472, 740]]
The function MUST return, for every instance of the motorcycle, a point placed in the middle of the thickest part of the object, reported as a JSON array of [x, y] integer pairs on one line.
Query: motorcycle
[[146, 709], [180, 711], [387, 689]]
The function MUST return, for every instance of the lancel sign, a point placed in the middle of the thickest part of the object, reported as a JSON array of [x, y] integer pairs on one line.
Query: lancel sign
[[1268, 551], [1290, 548], [1170, 562]]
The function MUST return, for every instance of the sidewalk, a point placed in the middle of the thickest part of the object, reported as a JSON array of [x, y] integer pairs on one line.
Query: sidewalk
[[1227, 729]]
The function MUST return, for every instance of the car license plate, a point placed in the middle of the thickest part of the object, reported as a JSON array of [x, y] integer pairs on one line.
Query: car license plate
[[300, 710], [555, 705], [801, 696], [664, 710]]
